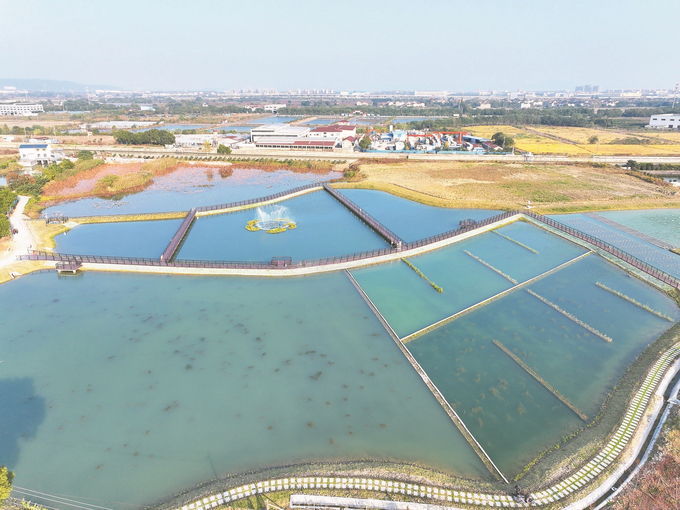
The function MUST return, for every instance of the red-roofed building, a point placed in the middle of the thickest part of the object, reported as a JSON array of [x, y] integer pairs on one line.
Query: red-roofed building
[[279, 142]]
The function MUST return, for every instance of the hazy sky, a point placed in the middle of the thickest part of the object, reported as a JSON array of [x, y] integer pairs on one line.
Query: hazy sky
[[343, 45]]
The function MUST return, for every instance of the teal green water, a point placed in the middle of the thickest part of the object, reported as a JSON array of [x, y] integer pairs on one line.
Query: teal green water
[[410, 220], [512, 415], [127, 388], [325, 228], [580, 365], [663, 224], [146, 239], [409, 303]]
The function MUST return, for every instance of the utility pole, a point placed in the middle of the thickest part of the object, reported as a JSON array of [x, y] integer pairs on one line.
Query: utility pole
[[675, 95]]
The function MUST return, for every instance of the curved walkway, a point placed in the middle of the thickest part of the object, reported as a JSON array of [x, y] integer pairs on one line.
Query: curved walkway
[[597, 466], [22, 240]]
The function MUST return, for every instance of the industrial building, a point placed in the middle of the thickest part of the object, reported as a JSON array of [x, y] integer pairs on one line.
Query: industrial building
[[284, 136], [664, 121], [343, 131], [279, 131], [23, 110]]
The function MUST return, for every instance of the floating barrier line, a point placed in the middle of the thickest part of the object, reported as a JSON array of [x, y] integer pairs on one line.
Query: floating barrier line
[[510, 278], [570, 316], [419, 273], [515, 241], [545, 384], [435, 391], [601, 461], [469, 309], [636, 303]]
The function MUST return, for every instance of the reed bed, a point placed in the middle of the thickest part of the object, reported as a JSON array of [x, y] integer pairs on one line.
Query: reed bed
[[636, 303], [516, 242], [543, 382], [570, 316], [419, 273], [510, 278]]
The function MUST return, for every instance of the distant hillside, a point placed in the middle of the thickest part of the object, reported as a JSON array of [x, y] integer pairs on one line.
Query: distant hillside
[[52, 85]]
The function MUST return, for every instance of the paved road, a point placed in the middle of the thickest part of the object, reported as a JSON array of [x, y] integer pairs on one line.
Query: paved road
[[22, 240]]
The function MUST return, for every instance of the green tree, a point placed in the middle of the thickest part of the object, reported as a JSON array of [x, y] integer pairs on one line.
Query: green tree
[[223, 149], [5, 130], [365, 142], [84, 155], [207, 146], [6, 477], [499, 138], [593, 139]]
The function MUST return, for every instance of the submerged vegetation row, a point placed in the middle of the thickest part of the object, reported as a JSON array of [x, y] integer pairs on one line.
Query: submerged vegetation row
[[570, 316], [510, 278], [636, 303], [419, 273], [543, 382], [515, 241]]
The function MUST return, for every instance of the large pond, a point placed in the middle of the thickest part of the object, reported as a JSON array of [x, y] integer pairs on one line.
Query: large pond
[[324, 228], [127, 388], [136, 387], [192, 187]]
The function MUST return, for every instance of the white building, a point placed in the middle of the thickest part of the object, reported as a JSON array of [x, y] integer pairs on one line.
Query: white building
[[298, 143], [336, 130], [664, 121], [274, 107], [26, 110], [278, 131], [34, 154]]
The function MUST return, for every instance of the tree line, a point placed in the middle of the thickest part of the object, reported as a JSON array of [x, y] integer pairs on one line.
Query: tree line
[[150, 137]]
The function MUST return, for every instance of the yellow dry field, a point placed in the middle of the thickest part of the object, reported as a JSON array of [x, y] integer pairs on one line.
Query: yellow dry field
[[550, 187], [635, 150], [671, 136], [580, 135], [488, 131]]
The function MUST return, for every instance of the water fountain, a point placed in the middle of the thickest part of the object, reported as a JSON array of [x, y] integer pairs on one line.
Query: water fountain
[[273, 221]]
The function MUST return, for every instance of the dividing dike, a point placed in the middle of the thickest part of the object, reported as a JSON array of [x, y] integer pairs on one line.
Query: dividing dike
[[381, 229], [542, 381], [435, 391]]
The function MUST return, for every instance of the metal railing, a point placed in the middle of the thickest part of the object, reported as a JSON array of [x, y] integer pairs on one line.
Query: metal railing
[[613, 250], [657, 273], [364, 216], [258, 200]]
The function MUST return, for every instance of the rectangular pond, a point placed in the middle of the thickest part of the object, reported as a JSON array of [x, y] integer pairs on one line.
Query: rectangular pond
[[325, 228], [511, 414], [145, 239], [411, 220], [663, 224], [136, 386], [409, 303]]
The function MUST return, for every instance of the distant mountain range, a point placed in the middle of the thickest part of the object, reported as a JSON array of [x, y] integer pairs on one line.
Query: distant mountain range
[[52, 85]]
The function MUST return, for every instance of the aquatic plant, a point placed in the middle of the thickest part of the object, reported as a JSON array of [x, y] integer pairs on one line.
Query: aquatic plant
[[510, 278], [543, 382], [570, 316], [516, 242], [636, 303], [276, 230], [419, 273]]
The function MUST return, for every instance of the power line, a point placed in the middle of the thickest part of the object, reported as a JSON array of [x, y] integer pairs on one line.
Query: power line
[[53, 500], [61, 497]]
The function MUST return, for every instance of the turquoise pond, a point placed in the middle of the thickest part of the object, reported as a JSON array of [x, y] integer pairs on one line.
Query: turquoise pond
[[145, 239], [512, 416], [192, 186], [325, 228], [664, 224], [409, 303], [137, 386], [410, 220]]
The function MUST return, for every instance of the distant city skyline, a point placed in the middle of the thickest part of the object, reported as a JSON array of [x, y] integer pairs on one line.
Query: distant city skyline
[[224, 45]]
